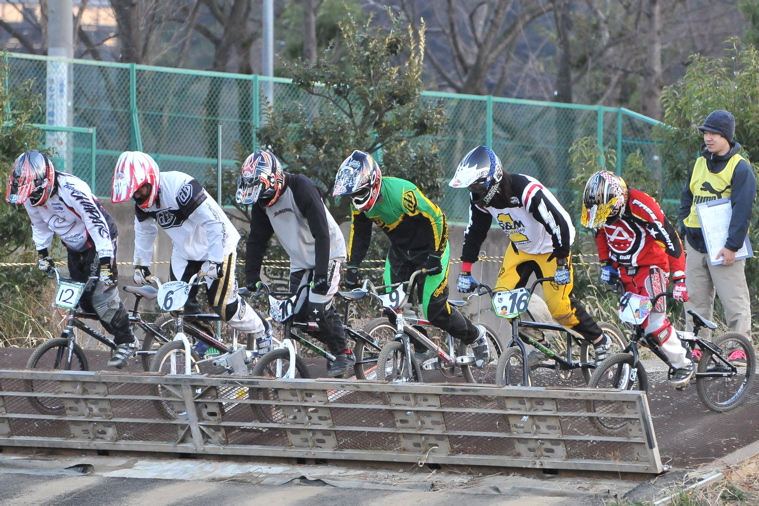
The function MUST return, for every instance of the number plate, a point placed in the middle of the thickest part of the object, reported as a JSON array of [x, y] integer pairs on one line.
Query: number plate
[[281, 309], [393, 299], [173, 295], [511, 303], [634, 308], [68, 294]]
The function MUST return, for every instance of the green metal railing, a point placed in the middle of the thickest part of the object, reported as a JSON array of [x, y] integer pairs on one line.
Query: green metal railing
[[176, 116]]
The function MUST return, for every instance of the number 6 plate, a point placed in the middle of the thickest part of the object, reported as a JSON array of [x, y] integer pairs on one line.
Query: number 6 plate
[[173, 295], [68, 294], [512, 303]]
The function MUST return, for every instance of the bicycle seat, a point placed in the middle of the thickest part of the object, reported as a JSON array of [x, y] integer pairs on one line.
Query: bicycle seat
[[149, 292], [353, 295], [700, 320], [457, 303]]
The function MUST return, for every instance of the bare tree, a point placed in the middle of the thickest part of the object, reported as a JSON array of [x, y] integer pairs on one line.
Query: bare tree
[[309, 30], [479, 38]]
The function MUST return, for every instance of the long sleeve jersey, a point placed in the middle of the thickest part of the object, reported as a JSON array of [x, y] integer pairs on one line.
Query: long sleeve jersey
[[643, 236], [409, 219], [303, 225], [196, 224], [75, 215], [534, 220]]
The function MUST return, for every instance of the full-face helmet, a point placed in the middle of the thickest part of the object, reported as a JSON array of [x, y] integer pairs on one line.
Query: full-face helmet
[[360, 178]]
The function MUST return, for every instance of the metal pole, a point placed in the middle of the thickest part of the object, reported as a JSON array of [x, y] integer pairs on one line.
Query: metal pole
[[267, 66], [60, 43]]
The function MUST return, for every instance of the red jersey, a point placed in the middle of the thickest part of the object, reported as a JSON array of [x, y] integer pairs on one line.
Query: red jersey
[[643, 236]]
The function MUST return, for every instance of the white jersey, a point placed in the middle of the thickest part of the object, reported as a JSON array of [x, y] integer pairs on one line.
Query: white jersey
[[196, 224], [75, 215]]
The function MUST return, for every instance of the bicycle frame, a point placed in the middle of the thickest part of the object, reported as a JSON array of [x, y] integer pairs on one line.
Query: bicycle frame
[[292, 338]]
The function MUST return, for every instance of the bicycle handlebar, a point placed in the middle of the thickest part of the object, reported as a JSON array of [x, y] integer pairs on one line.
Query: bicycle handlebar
[[479, 287]]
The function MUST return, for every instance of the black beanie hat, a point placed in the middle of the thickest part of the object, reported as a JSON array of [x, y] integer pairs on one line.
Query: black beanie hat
[[720, 122]]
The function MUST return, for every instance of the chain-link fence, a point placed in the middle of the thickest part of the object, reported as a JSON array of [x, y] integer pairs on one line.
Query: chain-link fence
[[191, 121]]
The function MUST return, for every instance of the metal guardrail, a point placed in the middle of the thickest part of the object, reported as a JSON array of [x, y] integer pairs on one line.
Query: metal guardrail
[[453, 424]]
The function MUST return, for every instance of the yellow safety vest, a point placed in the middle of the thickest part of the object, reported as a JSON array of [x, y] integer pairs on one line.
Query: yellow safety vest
[[707, 186]]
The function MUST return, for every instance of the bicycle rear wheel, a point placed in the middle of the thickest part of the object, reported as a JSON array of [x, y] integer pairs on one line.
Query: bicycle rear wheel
[[617, 372], [726, 391], [380, 332], [170, 359], [488, 373], [510, 369], [274, 365], [53, 355], [392, 365]]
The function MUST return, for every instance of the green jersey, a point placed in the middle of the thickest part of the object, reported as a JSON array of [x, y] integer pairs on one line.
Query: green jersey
[[409, 219]]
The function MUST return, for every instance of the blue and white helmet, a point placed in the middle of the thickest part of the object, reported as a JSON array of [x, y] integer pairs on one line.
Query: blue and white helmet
[[480, 172]]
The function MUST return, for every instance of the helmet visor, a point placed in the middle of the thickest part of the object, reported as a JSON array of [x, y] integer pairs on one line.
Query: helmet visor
[[478, 189]]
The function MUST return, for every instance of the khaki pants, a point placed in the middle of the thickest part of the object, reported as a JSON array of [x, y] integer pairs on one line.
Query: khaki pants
[[729, 283]]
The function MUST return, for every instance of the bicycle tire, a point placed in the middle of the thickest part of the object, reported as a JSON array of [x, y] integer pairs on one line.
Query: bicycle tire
[[170, 359], [587, 353], [725, 393], [615, 372], [510, 368], [151, 344], [381, 332], [267, 366], [392, 366], [51, 355], [488, 373]]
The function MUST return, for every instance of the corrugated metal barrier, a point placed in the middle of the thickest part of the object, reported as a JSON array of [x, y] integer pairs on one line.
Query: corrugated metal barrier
[[454, 424]]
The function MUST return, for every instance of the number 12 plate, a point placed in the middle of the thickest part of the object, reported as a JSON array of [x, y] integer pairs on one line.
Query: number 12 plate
[[68, 294]]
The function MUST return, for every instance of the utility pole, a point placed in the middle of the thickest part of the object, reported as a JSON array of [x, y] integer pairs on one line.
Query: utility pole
[[60, 43], [267, 64]]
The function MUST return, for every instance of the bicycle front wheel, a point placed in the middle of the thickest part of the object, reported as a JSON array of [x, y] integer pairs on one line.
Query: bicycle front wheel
[[274, 365], [486, 374], [588, 353], [166, 327], [170, 359], [380, 332], [392, 364], [510, 369], [718, 388], [53, 355], [617, 372]]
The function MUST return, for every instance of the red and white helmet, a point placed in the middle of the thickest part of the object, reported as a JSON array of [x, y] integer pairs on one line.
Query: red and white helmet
[[261, 180], [32, 178], [133, 170]]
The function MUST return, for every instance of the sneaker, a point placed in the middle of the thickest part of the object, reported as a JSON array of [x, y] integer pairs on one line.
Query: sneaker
[[696, 355], [341, 364], [423, 356], [602, 348], [738, 358], [536, 356], [480, 348], [682, 376], [200, 348], [123, 353]]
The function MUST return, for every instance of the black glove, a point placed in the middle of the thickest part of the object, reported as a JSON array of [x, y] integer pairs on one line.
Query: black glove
[[433, 265], [351, 278], [320, 285], [106, 272]]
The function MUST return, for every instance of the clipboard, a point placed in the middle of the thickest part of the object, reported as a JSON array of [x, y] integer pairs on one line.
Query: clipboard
[[714, 216]]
